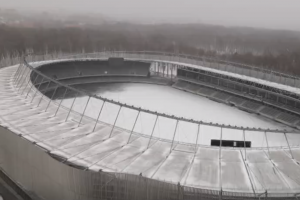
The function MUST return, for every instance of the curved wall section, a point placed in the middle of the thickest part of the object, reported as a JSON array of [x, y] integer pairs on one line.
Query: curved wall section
[[35, 170], [72, 69], [36, 155]]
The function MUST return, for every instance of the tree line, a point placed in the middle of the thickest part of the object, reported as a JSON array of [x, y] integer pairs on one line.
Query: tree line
[[277, 50]]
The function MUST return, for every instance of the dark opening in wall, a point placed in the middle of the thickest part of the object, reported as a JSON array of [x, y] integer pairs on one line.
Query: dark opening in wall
[[230, 143], [116, 61]]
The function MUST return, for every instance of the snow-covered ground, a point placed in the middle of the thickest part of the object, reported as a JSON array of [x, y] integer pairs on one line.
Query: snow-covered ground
[[174, 102], [230, 169], [171, 101]]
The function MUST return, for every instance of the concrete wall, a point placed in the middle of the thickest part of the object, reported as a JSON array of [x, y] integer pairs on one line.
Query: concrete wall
[[69, 69], [36, 171]]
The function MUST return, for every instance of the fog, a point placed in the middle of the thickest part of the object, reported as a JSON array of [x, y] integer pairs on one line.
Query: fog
[[274, 14]]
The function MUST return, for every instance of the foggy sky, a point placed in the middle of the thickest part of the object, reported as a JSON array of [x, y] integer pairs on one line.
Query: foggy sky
[[275, 14]]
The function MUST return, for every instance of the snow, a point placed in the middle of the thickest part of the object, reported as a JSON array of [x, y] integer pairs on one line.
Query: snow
[[244, 77], [232, 169], [171, 101], [231, 74], [174, 102]]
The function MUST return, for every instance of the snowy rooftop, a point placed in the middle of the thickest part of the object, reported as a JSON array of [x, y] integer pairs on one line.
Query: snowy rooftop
[[288, 88], [270, 165]]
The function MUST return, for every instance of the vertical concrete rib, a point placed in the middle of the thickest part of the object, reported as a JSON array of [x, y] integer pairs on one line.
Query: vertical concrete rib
[[61, 102], [26, 77], [71, 107], [51, 96], [37, 89], [279, 173], [289, 146], [115, 122], [220, 158], [267, 144], [20, 71], [22, 78], [191, 164], [248, 173], [33, 83], [42, 96], [198, 132], [99, 116], [245, 144], [174, 136], [86, 105], [152, 131], [161, 163], [16, 75], [91, 146], [140, 154], [133, 126]]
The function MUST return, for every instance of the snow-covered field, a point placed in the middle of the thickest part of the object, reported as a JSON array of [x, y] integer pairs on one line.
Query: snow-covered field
[[168, 100], [174, 102]]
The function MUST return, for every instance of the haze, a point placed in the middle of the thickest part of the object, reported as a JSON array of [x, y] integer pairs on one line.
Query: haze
[[274, 14]]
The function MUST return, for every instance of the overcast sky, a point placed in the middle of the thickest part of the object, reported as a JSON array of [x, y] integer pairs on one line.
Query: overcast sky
[[277, 14]]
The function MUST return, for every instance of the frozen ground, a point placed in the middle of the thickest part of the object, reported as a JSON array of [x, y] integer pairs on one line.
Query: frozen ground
[[171, 101], [175, 102], [272, 166]]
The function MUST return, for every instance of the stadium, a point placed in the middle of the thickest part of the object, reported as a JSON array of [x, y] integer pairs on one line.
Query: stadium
[[70, 128]]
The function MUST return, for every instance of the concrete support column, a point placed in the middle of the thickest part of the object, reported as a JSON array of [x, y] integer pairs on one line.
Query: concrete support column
[[37, 89], [71, 107], [61, 102], [133, 126], [174, 136], [99, 115], [86, 105], [152, 131], [115, 122]]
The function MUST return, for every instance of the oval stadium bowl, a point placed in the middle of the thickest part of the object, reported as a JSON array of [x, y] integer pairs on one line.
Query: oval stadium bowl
[[148, 125]]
